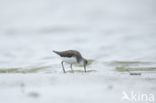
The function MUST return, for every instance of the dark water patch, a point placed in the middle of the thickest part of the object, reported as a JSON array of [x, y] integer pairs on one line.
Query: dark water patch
[[9, 70], [127, 69], [134, 73], [129, 63], [23, 70]]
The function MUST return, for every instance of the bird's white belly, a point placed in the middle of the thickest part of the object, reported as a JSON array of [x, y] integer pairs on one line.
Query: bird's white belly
[[70, 60]]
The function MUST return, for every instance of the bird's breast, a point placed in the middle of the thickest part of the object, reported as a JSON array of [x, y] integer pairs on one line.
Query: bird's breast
[[70, 60]]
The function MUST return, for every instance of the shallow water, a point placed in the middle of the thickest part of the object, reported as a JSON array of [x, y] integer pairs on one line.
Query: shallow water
[[117, 36]]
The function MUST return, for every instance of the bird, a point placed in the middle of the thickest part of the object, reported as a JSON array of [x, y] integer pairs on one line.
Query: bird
[[71, 57]]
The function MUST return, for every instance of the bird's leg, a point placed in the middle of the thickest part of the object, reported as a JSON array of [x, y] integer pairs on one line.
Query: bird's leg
[[71, 67], [63, 67], [85, 68]]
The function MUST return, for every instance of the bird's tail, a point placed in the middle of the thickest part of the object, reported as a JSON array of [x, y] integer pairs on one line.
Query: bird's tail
[[56, 52]]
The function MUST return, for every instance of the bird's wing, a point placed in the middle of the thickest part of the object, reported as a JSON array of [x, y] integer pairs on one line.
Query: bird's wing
[[68, 53]]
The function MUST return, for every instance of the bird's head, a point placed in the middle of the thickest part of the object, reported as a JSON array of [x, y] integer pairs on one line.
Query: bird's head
[[85, 62]]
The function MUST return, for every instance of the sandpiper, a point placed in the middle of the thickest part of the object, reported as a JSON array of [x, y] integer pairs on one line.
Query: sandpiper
[[71, 57]]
